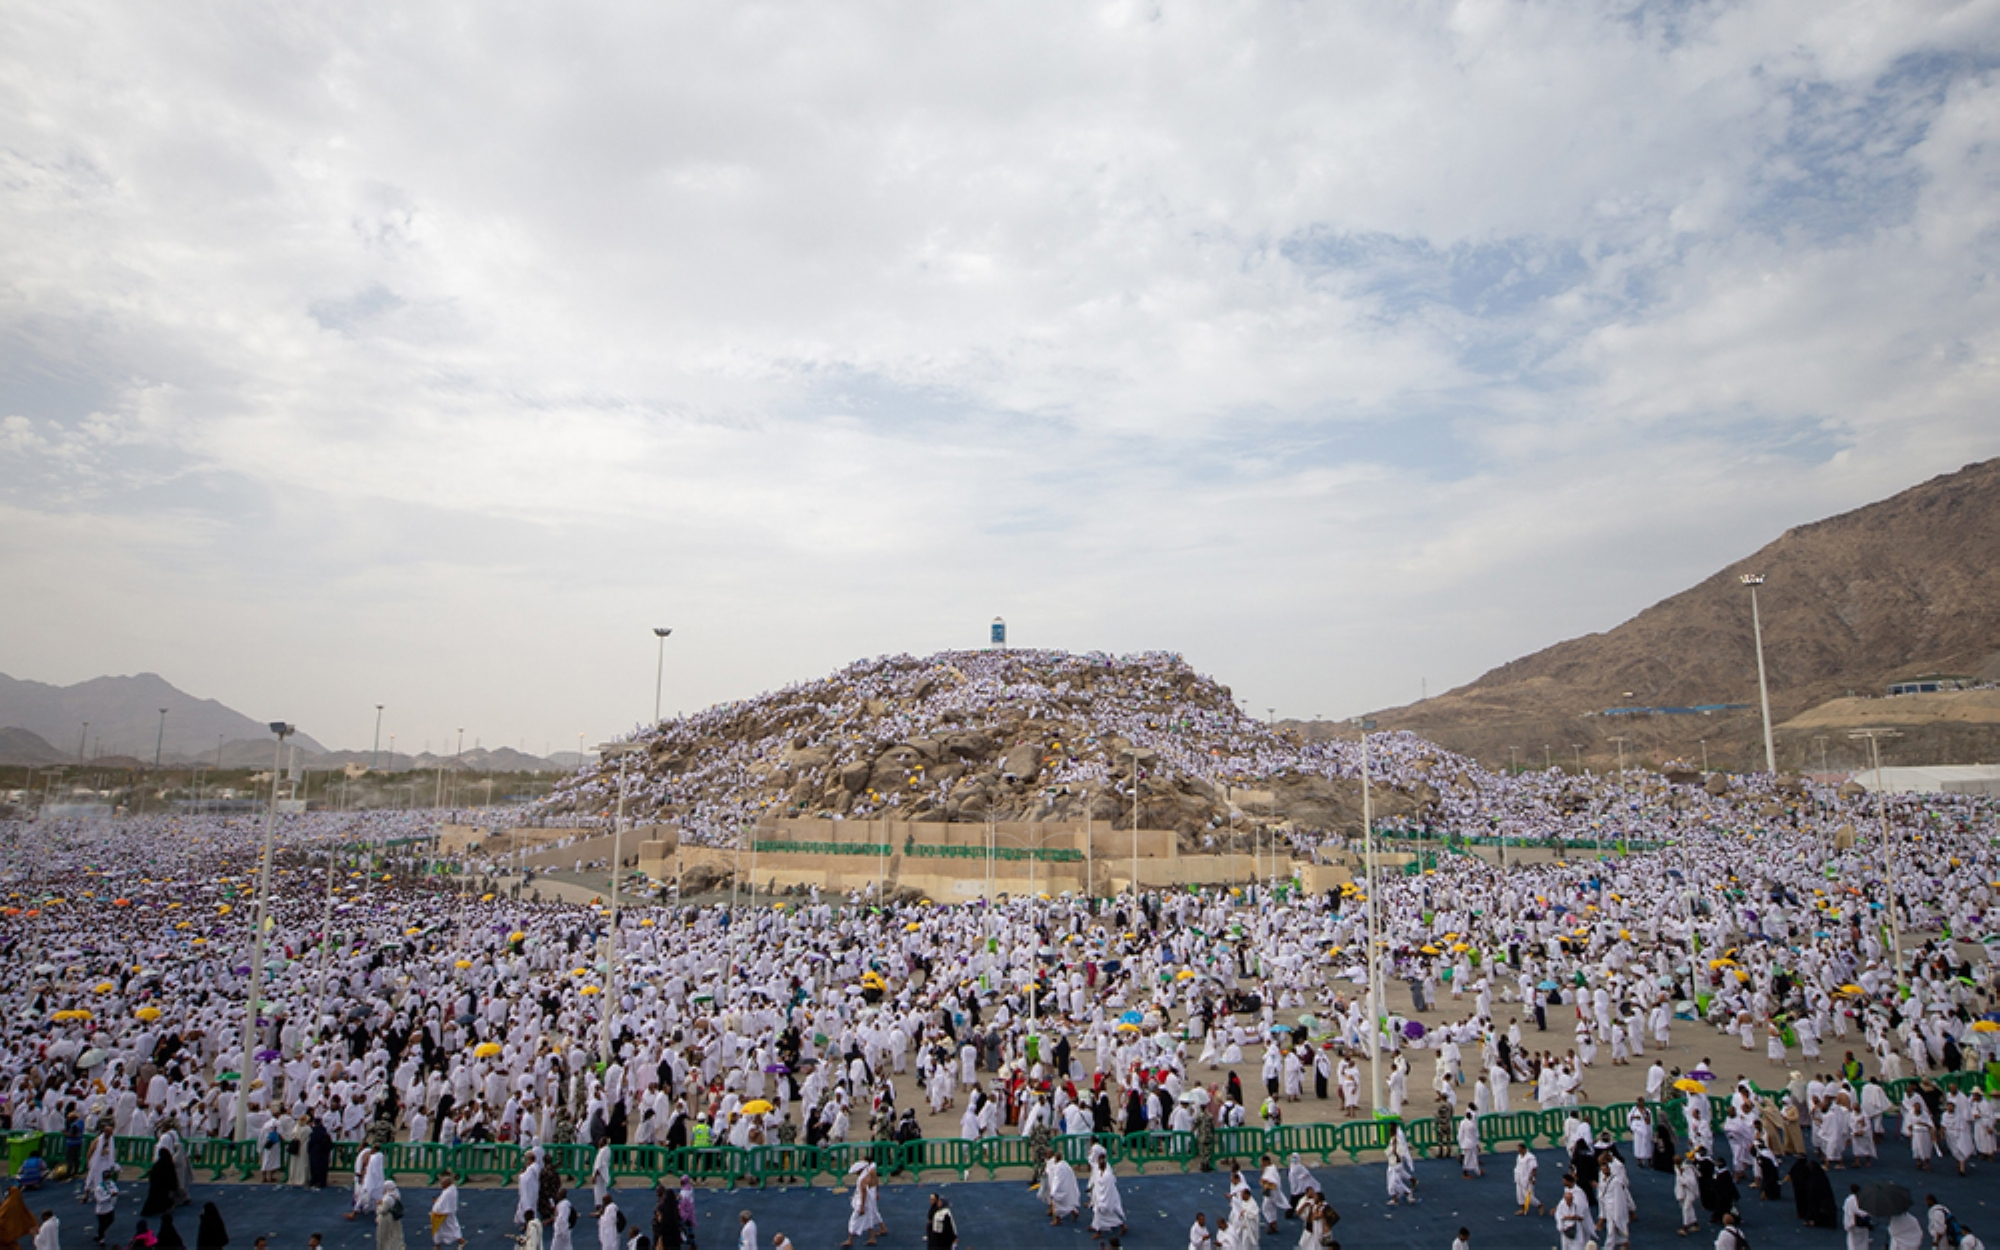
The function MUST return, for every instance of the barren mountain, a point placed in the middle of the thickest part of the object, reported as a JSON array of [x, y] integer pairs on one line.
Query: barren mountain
[[123, 714], [1908, 585]]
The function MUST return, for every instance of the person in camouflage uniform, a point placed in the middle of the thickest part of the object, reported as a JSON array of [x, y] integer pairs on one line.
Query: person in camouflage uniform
[[1204, 1139], [1041, 1144], [1446, 1144]]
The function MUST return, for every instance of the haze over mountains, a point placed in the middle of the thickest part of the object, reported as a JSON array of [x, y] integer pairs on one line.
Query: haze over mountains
[[44, 724], [1901, 587]]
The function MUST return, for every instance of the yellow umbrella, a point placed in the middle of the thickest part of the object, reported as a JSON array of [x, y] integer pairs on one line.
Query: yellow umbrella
[[758, 1106], [647, 923], [1185, 974], [1430, 950], [486, 1050], [105, 987], [486, 898], [1128, 1027], [1687, 1086], [517, 936], [588, 989], [912, 927], [148, 1013], [463, 963], [1852, 989], [1985, 1026]]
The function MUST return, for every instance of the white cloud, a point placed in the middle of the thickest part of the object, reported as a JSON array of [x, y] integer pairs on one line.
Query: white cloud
[[1337, 345]]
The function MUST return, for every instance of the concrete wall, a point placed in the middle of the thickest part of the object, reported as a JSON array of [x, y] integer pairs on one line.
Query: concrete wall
[[1058, 834], [964, 880]]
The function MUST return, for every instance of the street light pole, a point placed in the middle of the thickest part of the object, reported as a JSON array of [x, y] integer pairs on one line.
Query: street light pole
[[326, 930], [1753, 581], [1874, 737], [1621, 754], [376, 750], [283, 731], [1374, 957], [659, 669], [160, 741], [624, 751], [1134, 753]]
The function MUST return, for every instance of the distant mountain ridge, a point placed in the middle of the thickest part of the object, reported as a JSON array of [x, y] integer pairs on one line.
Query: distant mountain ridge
[[124, 717], [44, 724], [1849, 603]]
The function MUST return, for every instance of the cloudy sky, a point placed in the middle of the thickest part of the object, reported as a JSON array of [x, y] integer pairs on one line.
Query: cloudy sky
[[430, 354]]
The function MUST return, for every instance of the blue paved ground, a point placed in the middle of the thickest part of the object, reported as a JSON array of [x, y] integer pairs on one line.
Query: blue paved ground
[[1002, 1213]]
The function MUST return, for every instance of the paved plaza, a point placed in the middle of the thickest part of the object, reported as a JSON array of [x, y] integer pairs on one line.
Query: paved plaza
[[1004, 1213]]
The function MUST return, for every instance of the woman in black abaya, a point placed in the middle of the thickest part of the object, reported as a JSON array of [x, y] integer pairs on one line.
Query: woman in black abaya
[[319, 1156], [163, 1183]]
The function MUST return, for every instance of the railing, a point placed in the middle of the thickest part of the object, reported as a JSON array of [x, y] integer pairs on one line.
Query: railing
[[501, 1162], [877, 849], [923, 850], [1046, 854]]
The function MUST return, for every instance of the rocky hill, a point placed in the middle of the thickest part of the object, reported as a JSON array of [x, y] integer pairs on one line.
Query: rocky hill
[[1014, 735], [1850, 603]]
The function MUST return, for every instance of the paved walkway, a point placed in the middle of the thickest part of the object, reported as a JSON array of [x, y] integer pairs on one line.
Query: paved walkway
[[1003, 1213]]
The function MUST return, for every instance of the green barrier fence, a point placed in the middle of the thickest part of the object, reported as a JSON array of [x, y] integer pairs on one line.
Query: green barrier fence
[[1046, 854], [876, 849], [501, 1162]]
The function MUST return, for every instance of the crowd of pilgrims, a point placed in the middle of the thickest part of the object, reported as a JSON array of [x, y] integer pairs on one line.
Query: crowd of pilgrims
[[435, 1010], [1087, 710]]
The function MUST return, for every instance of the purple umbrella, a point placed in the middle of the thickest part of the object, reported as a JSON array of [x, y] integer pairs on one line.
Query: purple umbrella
[[1413, 1030], [266, 1055]]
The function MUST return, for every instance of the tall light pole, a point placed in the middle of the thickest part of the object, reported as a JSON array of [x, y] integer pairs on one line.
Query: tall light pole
[[1874, 737], [1753, 581], [1620, 742], [283, 731], [1374, 957], [659, 669], [160, 741], [624, 751], [375, 751], [1134, 753]]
